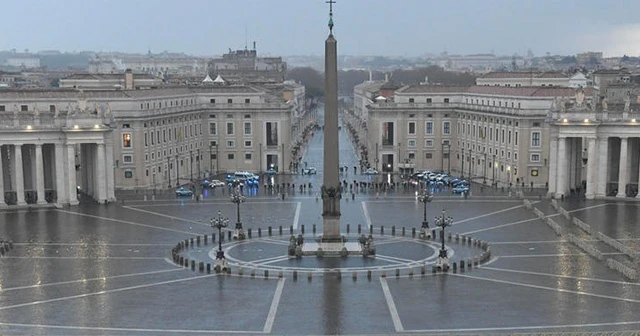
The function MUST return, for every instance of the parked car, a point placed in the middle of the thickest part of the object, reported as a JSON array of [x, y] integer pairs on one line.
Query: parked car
[[183, 192], [309, 171], [371, 171], [460, 189], [212, 184]]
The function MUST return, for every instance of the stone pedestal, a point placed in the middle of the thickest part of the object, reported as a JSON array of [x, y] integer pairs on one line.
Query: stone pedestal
[[331, 249]]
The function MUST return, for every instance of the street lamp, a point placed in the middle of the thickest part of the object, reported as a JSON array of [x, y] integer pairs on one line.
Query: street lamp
[[191, 165], [494, 165], [443, 222], [238, 198], [177, 172], [220, 222], [484, 168], [425, 197]]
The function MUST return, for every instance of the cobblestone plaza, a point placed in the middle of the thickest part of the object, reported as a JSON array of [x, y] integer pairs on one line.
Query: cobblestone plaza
[[107, 269]]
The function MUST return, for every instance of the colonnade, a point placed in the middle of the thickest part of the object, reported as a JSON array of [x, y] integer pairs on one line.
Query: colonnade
[[41, 173], [612, 166]]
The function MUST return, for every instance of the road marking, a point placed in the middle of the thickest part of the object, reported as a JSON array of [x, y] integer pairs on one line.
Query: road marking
[[85, 280], [131, 330], [546, 288], [367, 219], [530, 242], [604, 324], [560, 276], [167, 216], [490, 213], [297, 216], [501, 226], [126, 222], [87, 244], [554, 255], [104, 292], [271, 317], [589, 207], [392, 306], [282, 258], [83, 258]]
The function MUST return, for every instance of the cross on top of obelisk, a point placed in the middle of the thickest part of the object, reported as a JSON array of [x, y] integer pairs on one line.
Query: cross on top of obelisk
[[331, 2]]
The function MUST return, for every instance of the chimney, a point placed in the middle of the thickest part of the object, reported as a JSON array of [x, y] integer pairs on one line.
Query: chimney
[[128, 79]]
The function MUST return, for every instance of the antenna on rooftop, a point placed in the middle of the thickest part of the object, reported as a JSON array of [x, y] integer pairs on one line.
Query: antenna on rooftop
[[245, 36]]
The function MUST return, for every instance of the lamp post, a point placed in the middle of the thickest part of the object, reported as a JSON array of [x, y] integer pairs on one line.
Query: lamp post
[[470, 164], [494, 165], [238, 198], [219, 223], [191, 165], [443, 222], [462, 163], [484, 168], [198, 159], [169, 170], [210, 161], [177, 172], [425, 197]]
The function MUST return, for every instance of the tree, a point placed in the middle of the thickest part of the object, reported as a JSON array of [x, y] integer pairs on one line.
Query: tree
[[310, 78]]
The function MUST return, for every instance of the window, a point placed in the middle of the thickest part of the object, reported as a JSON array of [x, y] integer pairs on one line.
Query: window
[[213, 144], [128, 174], [24, 108], [230, 156], [535, 139], [535, 157], [247, 143], [212, 101], [411, 143], [229, 128], [247, 116], [1, 108], [247, 128], [272, 133], [428, 143], [509, 138], [126, 126], [231, 143], [428, 127], [412, 128], [387, 133], [446, 127], [52, 108], [229, 116], [515, 156], [411, 100], [126, 140], [536, 124], [146, 139], [516, 136], [247, 156], [247, 100], [428, 155], [446, 100], [429, 100], [212, 116], [446, 142], [229, 101], [412, 156], [127, 158]]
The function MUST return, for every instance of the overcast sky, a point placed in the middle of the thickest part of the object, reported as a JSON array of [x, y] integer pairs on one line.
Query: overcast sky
[[298, 27]]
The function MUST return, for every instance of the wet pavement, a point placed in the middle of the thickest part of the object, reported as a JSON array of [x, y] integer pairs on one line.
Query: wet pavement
[[106, 269]]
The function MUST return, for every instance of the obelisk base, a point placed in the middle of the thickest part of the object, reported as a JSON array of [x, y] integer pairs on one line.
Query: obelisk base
[[331, 229]]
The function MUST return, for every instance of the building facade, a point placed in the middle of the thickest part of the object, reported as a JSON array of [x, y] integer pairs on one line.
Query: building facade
[[491, 133], [518, 79], [166, 136]]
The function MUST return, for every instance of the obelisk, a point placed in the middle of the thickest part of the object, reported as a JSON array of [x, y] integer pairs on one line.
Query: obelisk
[[331, 188]]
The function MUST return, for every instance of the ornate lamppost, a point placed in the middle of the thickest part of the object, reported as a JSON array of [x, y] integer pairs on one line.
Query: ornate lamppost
[[220, 222], [425, 197], [443, 222], [238, 198]]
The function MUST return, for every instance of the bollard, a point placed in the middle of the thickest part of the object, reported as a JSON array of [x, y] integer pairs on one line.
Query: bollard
[[193, 265], [469, 264], [455, 267], [181, 261], [449, 236], [266, 274], [205, 239], [192, 242], [411, 272], [381, 230], [369, 274], [201, 266], [302, 228], [253, 273], [434, 270], [397, 272], [269, 230], [186, 262], [229, 234], [280, 275], [433, 234], [213, 238], [354, 276], [240, 271], [422, 270], [198, 240], [309, 275], [208, 268], [370, 229], [413, 232], [359, 228], [339, 275], [259, 232], [383, 275], [348, 227], [403, 231], [313, 229], [393, 230], [280, 230], [249, 232], [291, 230], [295, 275], [462, 265]]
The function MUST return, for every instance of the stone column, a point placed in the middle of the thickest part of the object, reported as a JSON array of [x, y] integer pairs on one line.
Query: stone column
[[72, 192], [331, 190], [563, 168], [553, 166], [2, 201], [110, 171], [100, 174], [623, 177], [592, 166], [40, 175], [603, 167], [61, 188], [18, 174]]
